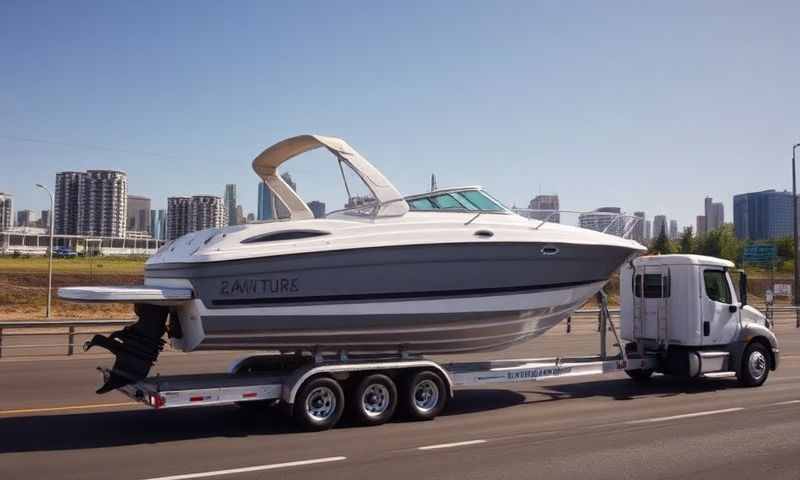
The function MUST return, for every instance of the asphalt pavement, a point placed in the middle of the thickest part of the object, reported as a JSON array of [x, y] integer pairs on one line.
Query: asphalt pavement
[[52, 425]]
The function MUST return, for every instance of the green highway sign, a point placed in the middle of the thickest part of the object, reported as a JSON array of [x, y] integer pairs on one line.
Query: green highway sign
[[760, 254]]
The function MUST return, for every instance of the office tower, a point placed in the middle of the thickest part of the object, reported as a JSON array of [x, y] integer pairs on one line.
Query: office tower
[[25, 218], [659, 225], [638, 230], [206, 211], [177, 217], [240, 219], [66, 195], [603, 220], [158, 224], [648, 230], [139, 215], [547, 208], [230, 204], [6, 211], [317, 208], [102, 203], [265, 202], [765, 215], [714, 213], [673, 229], [701, 225], [287, 177], [44, 219]]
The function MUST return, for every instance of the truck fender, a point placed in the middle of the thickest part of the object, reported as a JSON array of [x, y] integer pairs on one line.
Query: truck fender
[[753, 332]]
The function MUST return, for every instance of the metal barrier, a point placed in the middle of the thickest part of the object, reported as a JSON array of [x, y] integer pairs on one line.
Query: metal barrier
[[73, 328]]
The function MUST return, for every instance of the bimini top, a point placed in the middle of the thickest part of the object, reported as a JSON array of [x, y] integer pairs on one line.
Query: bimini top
[[389, 201]]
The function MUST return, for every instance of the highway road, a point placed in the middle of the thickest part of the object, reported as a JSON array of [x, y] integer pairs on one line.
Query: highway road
[[52, 425]]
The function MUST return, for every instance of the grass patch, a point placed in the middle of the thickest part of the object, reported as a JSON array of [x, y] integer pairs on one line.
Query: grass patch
[[78, 265]]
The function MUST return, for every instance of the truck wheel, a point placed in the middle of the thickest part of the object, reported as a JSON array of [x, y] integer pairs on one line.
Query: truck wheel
[[640, 375], [754, 369], [374, 400], [424, 395], [319, 404]]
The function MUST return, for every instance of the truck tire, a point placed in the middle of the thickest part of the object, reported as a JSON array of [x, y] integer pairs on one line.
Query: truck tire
[[423, 395], [754, 370], [373, 400], [639, 375], [319, 404]]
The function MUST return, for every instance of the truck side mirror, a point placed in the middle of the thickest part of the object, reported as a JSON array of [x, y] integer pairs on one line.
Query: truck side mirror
[[743, 287]]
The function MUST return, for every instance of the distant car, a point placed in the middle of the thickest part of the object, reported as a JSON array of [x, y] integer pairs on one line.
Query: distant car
[[64, 252]]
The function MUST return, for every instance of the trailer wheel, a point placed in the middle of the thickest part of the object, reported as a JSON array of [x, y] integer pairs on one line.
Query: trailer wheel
[[374, 400], [640, 375], [424, 395], [319, 404], [754, 370]]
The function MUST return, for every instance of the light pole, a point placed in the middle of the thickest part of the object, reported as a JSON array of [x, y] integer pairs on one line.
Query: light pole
[[50, 251]]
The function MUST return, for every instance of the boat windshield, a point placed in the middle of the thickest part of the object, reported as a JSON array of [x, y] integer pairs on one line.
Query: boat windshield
[[470, 200]]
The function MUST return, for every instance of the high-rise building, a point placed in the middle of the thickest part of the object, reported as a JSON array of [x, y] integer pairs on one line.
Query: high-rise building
[[206, 211], [158, 224], [139, 215], [265, 202], [714, 213], [638, 233], [240, 218], [102, 203], [546, 208], [673, 229], [67, 194], [317, 208], [177, 217], [6, 211], [287, 177], [648, 230], [764, 215], [25, 218], [659, 225], [701, 225], [230, 204], [44, 219], [603, 220]]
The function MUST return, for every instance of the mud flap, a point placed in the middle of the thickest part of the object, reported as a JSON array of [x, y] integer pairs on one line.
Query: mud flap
[[136, 346]]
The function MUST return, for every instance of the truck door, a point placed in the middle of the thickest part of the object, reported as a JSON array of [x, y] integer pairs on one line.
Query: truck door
[[720, 312]]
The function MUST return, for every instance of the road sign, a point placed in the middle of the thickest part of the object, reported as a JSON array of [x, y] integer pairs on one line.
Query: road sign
[[783, 290], [760, 254]]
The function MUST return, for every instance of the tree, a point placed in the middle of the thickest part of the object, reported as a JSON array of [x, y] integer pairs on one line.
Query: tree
[[662, 244], [721, 243], [687, 241]]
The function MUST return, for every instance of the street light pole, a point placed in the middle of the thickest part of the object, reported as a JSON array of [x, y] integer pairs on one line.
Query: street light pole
[[794, 205], [50, 251]]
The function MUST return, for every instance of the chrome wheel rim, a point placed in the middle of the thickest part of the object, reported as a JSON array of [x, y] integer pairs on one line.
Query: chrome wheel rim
[[757, 364], [426, 395], [375, 400], [321, 403]]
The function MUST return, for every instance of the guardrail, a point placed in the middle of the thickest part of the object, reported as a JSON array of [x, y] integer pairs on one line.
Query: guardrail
[[80, 328]]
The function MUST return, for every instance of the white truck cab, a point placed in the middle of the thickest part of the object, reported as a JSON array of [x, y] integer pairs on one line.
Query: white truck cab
[[687, 309]]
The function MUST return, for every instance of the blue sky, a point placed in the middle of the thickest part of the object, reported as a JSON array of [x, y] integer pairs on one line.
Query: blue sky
[[643, 105]]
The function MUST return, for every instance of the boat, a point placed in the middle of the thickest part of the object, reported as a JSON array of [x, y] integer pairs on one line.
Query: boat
[[443, 272]]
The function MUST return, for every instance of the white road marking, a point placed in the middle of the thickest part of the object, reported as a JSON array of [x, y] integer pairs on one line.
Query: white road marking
[[686, 415], [788, 402], [256, 468], [450, 445]]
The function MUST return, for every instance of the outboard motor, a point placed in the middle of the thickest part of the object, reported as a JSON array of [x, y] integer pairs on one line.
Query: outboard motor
[[136, 346]]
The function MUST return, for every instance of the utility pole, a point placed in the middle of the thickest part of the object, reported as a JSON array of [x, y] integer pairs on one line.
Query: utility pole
[[50, 251]]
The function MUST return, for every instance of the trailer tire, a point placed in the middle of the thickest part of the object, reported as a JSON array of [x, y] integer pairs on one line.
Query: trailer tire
[[373, 400], [319, 404], [754, 370], [640, 375], [423, 395]]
